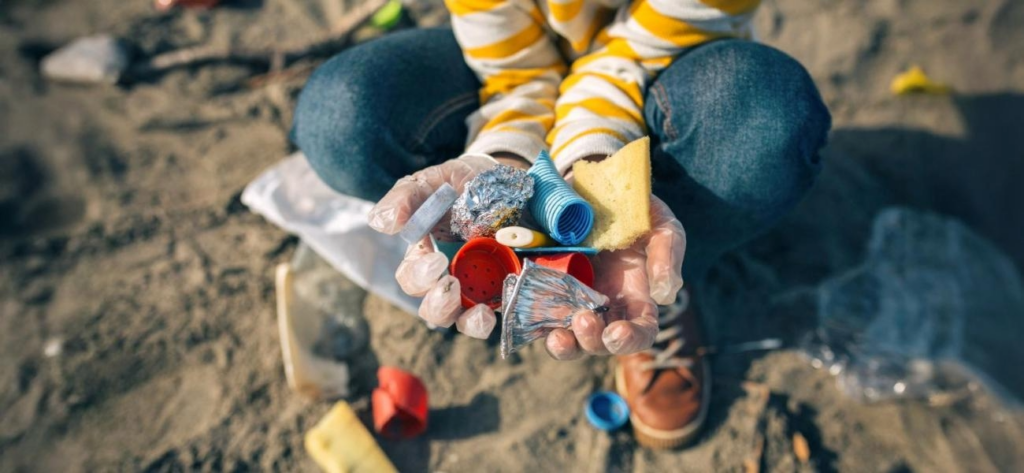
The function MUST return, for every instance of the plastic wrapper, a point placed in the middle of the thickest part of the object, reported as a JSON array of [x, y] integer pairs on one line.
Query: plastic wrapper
[[933, 308], [540, 299], [491, 201]]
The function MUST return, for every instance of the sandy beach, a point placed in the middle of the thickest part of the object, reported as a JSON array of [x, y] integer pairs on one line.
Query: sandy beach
[[137, 306]]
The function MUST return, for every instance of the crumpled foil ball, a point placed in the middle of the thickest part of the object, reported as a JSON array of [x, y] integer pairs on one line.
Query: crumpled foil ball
[[493, 200]]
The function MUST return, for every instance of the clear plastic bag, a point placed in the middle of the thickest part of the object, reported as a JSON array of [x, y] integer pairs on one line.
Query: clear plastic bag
[[540, 299], [321, 325], [934, 305], [291, 196]]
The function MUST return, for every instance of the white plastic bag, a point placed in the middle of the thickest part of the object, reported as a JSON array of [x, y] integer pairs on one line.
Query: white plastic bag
[[291, 196]]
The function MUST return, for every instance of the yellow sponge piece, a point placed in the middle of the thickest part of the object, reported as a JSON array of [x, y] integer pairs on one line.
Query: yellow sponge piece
[[619, 189], [340, 444]]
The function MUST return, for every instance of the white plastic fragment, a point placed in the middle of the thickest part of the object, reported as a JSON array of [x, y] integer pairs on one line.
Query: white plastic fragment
[[429, 214], [99, 59]]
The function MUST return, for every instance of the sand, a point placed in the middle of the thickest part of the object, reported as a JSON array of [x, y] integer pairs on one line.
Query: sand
[[137, 327]]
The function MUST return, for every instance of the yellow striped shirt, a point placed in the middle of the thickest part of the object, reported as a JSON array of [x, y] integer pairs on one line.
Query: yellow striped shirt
[[570, 75]]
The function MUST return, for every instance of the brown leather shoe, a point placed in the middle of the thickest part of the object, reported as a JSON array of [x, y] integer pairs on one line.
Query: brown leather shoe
[[668, 387]]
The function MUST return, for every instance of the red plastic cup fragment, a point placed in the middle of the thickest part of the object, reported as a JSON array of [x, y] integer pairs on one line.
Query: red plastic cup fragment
[[481, 266], [576, 265], [399, 404]]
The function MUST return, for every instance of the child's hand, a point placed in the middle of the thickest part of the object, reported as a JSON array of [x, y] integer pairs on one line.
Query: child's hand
[[636, 280], [424, 272]]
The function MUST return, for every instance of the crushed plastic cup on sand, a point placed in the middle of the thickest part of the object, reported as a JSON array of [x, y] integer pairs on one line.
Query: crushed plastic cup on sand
[[320, 325]]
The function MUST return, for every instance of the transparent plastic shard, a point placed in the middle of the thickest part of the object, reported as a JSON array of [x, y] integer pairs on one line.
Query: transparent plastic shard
[[431, 212], [540, 299]]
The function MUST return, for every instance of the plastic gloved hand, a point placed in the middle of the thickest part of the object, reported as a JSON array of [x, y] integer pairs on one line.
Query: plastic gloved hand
[[424, 272], [636, 280]]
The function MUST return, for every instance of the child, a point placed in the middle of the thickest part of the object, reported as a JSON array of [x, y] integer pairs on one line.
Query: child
[[735, 131]]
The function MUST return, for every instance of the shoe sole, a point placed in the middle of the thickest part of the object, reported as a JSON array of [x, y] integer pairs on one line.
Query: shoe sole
[[658, 439]]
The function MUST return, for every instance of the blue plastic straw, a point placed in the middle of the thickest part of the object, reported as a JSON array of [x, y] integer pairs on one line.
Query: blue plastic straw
[[566, 216]]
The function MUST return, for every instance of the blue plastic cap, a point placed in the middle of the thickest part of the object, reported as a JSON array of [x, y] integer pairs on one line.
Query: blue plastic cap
[[606, 410]]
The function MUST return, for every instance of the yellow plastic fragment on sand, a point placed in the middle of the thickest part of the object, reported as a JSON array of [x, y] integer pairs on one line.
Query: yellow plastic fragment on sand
[[339, 443], [914, 81], [619, 189]]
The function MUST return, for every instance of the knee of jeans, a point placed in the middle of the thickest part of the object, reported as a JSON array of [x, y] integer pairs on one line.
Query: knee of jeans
[[336, 127], [770, 106]]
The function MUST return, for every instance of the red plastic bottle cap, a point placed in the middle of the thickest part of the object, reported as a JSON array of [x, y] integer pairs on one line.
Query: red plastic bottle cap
[[576, 264], [399, 404], [481, 266]]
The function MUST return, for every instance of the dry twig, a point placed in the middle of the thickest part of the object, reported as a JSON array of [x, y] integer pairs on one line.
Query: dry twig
[[277, 56]]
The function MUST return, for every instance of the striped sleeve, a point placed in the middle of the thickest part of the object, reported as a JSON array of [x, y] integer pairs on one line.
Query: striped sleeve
[[600, 106], [505, 43]]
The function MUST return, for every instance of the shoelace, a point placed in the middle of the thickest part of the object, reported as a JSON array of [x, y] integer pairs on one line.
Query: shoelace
[[666, 355]]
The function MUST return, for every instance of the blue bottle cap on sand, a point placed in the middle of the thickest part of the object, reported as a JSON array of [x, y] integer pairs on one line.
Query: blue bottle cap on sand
[[607, 410]]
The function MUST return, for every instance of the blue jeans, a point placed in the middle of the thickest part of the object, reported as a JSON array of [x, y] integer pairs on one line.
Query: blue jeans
[[735, 128]]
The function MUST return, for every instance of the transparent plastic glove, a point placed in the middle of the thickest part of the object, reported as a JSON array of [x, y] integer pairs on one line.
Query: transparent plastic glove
[[636, 280], [477, 322], [424, 272]]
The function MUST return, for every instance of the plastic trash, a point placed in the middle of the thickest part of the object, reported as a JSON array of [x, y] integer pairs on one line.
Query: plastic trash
[[388, 16], [399, 404], [566, 216], [915, 81], [575, 264], [520, 237], [540, 299], [606, 410], [339, 443], [481, 266], [547, 250], [427, 216], [933, 307], [320, 326], [291, 196], [97, 59]]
